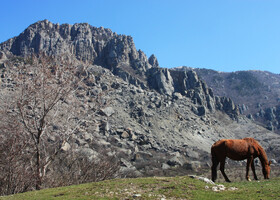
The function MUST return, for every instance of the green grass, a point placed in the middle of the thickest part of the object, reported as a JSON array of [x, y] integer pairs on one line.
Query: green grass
[[156, 188]]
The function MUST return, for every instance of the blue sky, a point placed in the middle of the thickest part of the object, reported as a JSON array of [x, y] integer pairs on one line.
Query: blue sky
[[224, 35]]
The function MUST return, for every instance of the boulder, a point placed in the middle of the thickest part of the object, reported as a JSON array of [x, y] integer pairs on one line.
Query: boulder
[[125, 135], [65, 146], [108, 111], [165, 166], [89, 153], [193, 165], [142, 156], [2, 55], [177, 96], [175, 161]]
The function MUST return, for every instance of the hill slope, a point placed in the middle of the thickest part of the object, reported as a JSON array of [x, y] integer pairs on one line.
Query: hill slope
[[151, 119], [157, 188]]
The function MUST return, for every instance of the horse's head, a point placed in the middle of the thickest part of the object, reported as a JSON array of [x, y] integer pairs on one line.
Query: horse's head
[[266, 170]]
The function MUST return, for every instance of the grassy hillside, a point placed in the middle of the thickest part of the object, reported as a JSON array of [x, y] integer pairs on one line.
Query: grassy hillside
[[156, 188]]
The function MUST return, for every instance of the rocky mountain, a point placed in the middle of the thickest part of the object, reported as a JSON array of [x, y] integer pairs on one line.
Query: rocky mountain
[[257, 93], [117, 53], [157, 118]]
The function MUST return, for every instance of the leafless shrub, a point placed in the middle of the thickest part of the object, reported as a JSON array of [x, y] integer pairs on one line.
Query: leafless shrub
[[15, 167], [75, 168]]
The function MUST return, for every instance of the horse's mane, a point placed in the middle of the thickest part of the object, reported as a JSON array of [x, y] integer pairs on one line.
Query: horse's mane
[[263, 156]]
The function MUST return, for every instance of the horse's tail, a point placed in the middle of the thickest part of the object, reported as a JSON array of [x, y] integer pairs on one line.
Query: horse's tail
[[215, 163]]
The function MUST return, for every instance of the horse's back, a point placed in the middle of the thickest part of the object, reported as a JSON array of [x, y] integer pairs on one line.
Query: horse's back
[[236, 149], [231, 142]]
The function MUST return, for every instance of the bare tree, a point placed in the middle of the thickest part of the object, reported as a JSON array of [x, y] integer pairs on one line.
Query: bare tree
[[44, 87], [44, 105]]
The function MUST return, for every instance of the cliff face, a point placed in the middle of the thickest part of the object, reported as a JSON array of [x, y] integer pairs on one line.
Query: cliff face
[[188, 84], [82, 40]]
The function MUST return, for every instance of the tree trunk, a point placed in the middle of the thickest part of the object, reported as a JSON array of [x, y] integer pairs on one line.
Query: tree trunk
[[38, 170]]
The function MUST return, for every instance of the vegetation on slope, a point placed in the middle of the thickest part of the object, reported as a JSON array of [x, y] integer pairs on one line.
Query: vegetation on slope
[[182, 187], [245, 83]]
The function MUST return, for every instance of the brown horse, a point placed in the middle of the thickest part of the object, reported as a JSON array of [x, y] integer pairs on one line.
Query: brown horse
[[246, 148]]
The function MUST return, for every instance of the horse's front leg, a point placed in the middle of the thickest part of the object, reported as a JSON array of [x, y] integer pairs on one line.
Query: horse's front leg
[[249, 163], [253, 169], [222, 168]]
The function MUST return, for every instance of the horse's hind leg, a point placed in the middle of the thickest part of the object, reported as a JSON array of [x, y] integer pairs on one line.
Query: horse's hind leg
[[222, 168], [215, 164]]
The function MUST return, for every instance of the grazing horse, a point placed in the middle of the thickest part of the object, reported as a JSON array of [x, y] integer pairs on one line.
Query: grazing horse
[[246, 148]]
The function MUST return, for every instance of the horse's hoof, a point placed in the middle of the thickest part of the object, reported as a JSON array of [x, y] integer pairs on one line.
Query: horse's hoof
[[249, 179]]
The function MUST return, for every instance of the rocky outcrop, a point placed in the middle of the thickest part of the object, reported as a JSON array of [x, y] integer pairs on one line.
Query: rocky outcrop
[[271, 116], [161, 80], [2, 55], [255, 93], [188, 84], [153, 61]]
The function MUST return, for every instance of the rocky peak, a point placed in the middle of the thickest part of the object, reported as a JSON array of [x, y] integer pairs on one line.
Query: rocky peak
[[153, 61], [86, 43], [43, 25]]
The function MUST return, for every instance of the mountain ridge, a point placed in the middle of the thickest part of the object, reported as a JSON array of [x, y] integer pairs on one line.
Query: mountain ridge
[[256, 92], [115, 52]]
